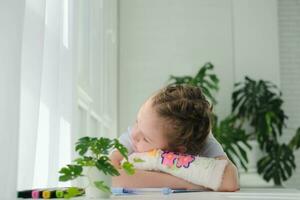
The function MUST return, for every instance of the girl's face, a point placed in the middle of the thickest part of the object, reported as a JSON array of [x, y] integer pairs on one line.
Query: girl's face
[[148, 132]]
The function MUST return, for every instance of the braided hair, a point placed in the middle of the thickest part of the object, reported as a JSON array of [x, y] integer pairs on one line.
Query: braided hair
[[188, 114]]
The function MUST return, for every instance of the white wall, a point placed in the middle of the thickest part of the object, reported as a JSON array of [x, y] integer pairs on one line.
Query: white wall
[[160, 38], [11, 20], [163, 37], [255, 32]]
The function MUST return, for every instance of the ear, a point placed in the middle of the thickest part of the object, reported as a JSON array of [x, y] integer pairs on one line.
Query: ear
[[181, 149]]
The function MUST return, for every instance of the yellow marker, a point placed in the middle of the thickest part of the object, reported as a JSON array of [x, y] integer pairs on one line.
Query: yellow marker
[[46, 194]]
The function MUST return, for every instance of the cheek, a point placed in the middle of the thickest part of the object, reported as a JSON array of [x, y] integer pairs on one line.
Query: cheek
[[134, 133], [144, 146]]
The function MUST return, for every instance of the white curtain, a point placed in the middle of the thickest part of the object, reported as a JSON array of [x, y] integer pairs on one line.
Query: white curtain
[[42, 43], [11, 23], [48, 80]]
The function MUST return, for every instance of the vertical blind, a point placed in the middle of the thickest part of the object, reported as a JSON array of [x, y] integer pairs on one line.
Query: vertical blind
[[289, 45]]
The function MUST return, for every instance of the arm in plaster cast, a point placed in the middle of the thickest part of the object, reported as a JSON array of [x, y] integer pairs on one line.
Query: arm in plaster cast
[[207, 172]]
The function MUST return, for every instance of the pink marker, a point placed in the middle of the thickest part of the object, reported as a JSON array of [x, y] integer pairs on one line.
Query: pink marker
[[35, 194]]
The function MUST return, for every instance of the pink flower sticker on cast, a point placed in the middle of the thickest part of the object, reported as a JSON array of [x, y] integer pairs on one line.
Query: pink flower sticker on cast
[[168, 158], [184, 160]]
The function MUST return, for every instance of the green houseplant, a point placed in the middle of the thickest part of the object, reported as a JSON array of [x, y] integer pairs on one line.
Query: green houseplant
[[259, 103], [93, 156], [232, 138]]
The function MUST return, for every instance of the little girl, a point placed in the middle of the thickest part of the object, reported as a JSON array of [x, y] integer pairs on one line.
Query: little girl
[[176, 118]]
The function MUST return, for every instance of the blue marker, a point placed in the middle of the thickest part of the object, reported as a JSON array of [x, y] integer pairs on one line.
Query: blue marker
[[165, 191], [128, 191]]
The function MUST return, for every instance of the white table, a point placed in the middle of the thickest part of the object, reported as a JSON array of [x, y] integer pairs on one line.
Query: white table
[[243, 194]]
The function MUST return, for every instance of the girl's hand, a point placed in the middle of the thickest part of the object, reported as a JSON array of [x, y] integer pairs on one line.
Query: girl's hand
[[116, 159]]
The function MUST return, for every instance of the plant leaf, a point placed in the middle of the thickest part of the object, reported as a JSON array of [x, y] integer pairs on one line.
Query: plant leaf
[[101, 146], [138, 160], [70, 172], [85, 161], [121, 148], [295, 141], [102, 186], [278, 164], [207, 81], [106, 167], [128, 167], [83, 145], [231, 138], [73, 192]]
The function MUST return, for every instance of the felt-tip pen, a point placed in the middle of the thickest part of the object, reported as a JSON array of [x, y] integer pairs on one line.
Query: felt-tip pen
[[165, 191]]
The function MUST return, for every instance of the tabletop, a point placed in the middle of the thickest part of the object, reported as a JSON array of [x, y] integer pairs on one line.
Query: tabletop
[[243, 194]]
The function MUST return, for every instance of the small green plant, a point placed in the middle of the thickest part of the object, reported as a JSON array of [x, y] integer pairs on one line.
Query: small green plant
[[260, 104], [93, 152]]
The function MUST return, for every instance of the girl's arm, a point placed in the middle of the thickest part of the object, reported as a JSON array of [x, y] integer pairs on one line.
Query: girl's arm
[[151, 179], [145, 179], [230, 181]]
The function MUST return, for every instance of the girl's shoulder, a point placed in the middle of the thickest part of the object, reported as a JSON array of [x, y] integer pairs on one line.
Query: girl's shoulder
[[211, 147]]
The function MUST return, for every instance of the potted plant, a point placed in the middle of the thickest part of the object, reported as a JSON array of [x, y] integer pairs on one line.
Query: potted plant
[[259, 103], [233, 138], [94, 164]]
